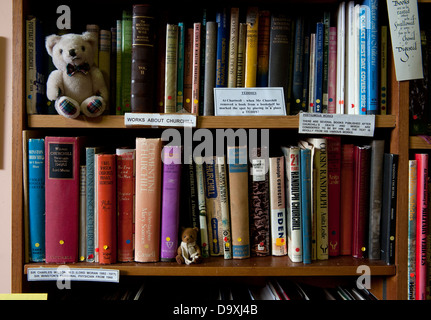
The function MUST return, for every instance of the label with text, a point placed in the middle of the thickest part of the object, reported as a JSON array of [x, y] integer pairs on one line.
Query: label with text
[[73, 274], [160, 119]]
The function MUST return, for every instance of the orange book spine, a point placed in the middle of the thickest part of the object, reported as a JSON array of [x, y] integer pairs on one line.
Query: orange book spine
[[106, 206], [148, 199]]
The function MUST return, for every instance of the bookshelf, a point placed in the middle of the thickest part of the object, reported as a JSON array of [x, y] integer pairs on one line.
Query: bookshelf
[[389, 282]]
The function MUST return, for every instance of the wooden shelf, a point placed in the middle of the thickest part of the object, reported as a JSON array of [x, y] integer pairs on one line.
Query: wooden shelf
[[259, 266], [113, 121], [416, 142]]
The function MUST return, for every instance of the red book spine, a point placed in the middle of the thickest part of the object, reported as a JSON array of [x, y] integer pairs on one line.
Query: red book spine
[[106, 207], [333, 145], [125, 203], [346, 204], [421, 225], [360, 202], [62, 199]]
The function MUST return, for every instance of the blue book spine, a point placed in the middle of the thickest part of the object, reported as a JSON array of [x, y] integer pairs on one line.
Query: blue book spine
[[90, 152], [306, 168], [36, 194], [318, 80], [372, 9], [222, 49], [363, 60]]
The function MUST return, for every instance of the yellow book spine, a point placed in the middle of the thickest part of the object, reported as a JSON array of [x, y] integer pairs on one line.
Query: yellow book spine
[[251, 47]]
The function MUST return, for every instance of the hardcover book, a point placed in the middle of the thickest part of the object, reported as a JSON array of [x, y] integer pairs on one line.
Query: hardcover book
[[82, 245], [233, 47], [411, 251], [171, 67], [210, 67], [196, 67], [263, 48], [306, 200], [222, 48], [200, 190], [240, 70], [62, 198], [346, 206], [341, 29], [298, 65], [252, 19], [126, 61], [224, 205]]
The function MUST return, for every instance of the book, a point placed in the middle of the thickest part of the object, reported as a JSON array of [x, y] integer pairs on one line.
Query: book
[[113, 71], [341, 29], [263, 43], [364, 26], [224, 205], [106, 203], [118, 72], [180, 66], [171, 68], [292, 157], [242, 40], [312, 73], [189, 206], [95, 30], [82, 241], [376, 182], [126, 61], [332, 70], [233, 47], [411, 240], [279, 51], [62, 198], [306, 201], [105, 59], [389, 207], [148, 199], [277, 205], [318, 73], [200, 189], [383, 70], [238, 195], [346, 203], [222, 48], [196, 67], [325, 85], [36, 198], [352, 59], [202, 56], [125, 203], [421, 224], [188, 70], [334, 193], [142, 59], [260, 232], [298, 65], [170, 214], [360, 200], [252, 20], [162, 21], [210, 67]]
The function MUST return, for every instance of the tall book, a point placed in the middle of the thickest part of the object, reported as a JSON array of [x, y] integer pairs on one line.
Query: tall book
[[341, 29], [105, 59], [325, 85], [106, 202], [36, 198], [346, 205], [376, 182], [200, 189], [170, 214], [383, 70], [82, 242], [298, 64], [263, 48], [62, 198], [238, 194], [222, 48], [360, 201], [125, 203], [171, 68], [389, 208], [148, 199], [113, 72], [332, 67], [364, 13], [334, 193], [252, 20], [318, 81], [292, 157], [352, 59], [224, 205], [421, 224], [312, 73], [188, 70], [210, 67], [196, 67], [242, 40], [277, 206], [180, 66], [411, 240], [279, 50], [162, 21], [233, 47], [259, 202], [306, 201], [213, 206], [126, 61], [118, 64], [143, 59]]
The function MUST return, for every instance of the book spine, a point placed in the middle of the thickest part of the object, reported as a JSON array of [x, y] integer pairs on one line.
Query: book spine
[[148, 199], [351, 68], [318, 86], [421, 225], [298, 65], [62, 199], [161, 24], [389, 207], [82, 248], [196, 67], [224, 204], [325, 84], [180, 69], [411, 251], [210, 67], [238, 194], [113, 72], [252, 20], [36, 197], [118, 73], [383, 69], [200, 188], [95, 30], [142, 59], [242, 40], [170, 202], [90, 210], [259, 203], [30, 56], [171, 68], [105, 58], [312, 74], [263, 48], [277, 206], [347, 185], [233, 47], [363, 26], [332, 73], [202, 56], [306, 69], [306, 171], [188, 70], [125, 203], [126, 61], [340, 56], [106, 207], [222, 48]]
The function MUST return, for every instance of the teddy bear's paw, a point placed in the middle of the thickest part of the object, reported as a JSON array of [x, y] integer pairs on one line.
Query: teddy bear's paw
[[67, 107], [93, 106]]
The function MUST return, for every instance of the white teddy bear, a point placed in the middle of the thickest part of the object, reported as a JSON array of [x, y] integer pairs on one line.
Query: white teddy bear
[[77, 85]]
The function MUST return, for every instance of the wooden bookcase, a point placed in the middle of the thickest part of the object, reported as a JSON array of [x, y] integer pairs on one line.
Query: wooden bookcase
[[388, 282]]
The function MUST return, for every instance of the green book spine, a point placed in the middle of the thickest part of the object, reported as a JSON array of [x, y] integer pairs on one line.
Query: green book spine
[[126, 61], [171, 68]]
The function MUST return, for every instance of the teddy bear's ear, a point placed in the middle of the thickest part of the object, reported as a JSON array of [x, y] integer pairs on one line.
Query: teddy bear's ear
[[196, 229], [90, 37], [50, 42]]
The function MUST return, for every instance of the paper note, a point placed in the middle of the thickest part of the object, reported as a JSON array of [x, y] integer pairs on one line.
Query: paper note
[[406, 38]]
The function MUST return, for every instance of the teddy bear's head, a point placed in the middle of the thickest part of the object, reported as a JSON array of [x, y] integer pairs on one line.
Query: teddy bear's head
[[75, 49], [189, 235]]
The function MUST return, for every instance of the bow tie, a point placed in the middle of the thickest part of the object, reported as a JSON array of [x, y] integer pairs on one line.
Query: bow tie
[[71, 69]]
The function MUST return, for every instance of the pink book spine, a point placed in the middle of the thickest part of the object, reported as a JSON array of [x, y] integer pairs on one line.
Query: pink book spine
[[332, 75], [170, 202], [196, 66], [62, 199]]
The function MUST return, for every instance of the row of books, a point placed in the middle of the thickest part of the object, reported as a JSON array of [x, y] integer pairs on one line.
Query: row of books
[[309, 201], [335, 62]]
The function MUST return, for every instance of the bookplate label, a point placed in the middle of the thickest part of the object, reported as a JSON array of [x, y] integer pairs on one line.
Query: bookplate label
[[73, 274], [160, 119]]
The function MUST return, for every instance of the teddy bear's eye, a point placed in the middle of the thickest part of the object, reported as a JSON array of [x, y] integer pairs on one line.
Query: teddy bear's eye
[[83, 48], [61, 51]]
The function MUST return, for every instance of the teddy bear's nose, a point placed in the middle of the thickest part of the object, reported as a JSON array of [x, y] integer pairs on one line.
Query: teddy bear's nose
[[72, 52]]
